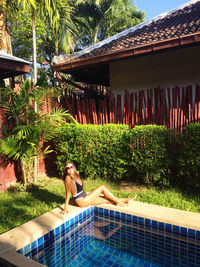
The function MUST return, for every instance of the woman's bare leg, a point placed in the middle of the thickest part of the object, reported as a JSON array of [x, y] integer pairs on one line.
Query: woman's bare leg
[[91, 198], [128, 200]]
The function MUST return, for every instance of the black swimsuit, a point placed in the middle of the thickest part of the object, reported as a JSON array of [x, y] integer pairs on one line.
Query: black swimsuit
[[79, 189]]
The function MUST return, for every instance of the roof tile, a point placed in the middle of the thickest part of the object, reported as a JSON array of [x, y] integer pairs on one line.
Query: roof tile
[[178, 23]]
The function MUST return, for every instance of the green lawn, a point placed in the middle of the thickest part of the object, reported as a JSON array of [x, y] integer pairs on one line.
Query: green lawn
[[48, 193]]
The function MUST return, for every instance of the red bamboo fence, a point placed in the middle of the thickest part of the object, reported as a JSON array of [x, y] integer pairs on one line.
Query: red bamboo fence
[[173, 107]]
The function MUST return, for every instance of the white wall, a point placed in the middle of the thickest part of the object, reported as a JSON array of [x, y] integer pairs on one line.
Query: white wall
[[179, 67]]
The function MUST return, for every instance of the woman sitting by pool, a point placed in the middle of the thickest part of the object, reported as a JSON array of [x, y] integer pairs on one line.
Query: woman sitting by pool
[[100, 195]]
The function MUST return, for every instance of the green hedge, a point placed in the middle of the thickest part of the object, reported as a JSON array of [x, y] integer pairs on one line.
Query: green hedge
[[188, 156], [150, 154], [96, 150]]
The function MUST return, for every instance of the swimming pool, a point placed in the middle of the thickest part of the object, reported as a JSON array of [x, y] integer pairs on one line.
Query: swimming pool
[[103, 237]]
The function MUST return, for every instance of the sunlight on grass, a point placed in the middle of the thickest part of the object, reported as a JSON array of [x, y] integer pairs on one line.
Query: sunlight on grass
[[21, 204]]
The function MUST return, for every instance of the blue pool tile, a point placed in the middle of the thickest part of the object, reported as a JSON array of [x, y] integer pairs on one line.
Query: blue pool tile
[[147, 223], [198, 235], [84, 214], [27, 249], [80, 216], [128, 218], [40, 248], [135, 240], [66, 224], [147, 264], [117, 215], [112, 213], [176, 231], [57, 231], [100, 211], [96, 210], [52, 235], [123, 217], [34, 251], [141, 221], [106, 213], [62, 229], [71, 222], [40, 241], [154, 225], [33, 244], [191, 233], [168, 227], [161, 226], [21, 251], [183, 231], [46, 237], [135, 219]]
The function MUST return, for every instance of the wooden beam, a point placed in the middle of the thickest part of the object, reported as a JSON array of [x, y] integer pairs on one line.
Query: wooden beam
[[14, 66]]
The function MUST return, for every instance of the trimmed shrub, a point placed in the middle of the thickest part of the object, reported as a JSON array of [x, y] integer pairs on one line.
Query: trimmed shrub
[[149, 153], [188, 155], [96, 150]]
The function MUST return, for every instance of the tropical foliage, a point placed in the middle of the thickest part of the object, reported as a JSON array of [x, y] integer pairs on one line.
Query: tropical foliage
[[67, 25], [28, 130], [98, 20], [56, 26]]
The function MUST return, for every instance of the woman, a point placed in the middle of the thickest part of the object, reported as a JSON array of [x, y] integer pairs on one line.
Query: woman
[[74, 186]]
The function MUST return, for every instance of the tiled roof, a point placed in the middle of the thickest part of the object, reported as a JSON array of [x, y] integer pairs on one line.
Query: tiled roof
[[182, 21]]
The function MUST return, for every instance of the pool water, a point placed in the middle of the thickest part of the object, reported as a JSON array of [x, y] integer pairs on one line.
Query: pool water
[[101, 237]]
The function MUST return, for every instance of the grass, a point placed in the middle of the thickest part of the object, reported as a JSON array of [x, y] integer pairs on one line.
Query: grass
[[21, 204]]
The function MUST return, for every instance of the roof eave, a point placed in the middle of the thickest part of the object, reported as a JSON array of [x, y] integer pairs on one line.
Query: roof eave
[[10, 68], [173, 43]]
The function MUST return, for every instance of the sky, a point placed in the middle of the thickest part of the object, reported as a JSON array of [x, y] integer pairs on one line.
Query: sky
[[153, 8]]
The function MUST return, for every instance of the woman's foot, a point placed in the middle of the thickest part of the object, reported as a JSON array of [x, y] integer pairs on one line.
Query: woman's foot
[[131, 200], [122, 204]]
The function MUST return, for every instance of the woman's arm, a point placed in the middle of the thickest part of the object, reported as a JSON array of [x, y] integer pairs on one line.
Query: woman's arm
[[68, 192]]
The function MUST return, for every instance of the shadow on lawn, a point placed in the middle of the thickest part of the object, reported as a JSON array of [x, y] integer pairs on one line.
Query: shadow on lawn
[[44, 195], [16, 211]]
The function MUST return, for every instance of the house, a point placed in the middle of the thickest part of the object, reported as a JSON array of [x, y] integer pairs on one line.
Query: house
[[10, 66], [153, 66]]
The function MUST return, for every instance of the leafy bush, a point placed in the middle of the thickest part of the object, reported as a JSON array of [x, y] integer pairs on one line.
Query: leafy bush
[[188, 156], [149, 154], [96, 150], [114, 151]]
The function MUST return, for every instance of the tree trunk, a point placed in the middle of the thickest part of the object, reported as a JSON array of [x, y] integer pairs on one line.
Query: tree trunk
[[35, 78], [3, 43], [34, 47], [5, 40]]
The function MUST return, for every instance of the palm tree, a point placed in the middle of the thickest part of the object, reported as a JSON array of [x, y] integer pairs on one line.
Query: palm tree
[[6, 6], [57, 13], [104, 18], [44, 8]]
